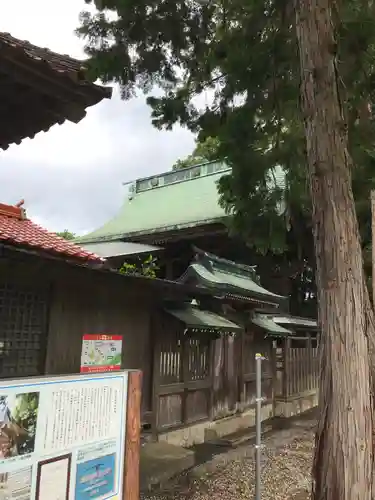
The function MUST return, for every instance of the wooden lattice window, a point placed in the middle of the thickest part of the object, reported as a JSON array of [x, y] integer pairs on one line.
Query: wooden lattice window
[[197, 351], [170, 368], [23, 331]]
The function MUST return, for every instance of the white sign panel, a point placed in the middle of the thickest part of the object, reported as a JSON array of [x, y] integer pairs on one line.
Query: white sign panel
[[63, 438]]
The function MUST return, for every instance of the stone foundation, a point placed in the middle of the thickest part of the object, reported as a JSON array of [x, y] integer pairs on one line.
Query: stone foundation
[[213, 430], [295, 406]]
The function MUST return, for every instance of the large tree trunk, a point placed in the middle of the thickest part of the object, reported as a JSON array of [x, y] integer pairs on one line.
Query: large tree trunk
[[343, 455]]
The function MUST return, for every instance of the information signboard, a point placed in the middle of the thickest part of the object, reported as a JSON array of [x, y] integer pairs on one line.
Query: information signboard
[[101, 353], [63, 438]]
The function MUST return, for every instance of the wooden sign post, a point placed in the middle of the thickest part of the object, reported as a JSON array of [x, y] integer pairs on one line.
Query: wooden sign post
[[82, 441], [133, 437]]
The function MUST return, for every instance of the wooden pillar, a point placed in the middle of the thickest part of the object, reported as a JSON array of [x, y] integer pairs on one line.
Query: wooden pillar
[[241, 369], [185, 353], [218, 375], [226, 382], [155, 383], [273, 361], [133, 437], [232, 373], [311, 380], [286, 374], [211, 411]]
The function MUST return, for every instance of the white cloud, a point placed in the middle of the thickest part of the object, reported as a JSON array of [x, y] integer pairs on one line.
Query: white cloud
[[71, 176]]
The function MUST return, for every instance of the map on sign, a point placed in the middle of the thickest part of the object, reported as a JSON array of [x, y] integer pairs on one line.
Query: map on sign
[[101, 353]]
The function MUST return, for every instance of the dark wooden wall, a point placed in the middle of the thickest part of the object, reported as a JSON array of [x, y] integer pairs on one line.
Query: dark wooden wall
[[50, 305], [47, 306], [94, 304]]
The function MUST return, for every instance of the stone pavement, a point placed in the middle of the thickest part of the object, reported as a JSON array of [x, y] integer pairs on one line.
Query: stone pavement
[[160, 462]]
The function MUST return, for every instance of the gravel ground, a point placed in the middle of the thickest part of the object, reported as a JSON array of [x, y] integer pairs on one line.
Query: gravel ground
[[286, 465]]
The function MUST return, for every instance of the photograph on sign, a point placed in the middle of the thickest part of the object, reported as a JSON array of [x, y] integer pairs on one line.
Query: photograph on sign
[[18, 420], [101, 353], [63, 437]]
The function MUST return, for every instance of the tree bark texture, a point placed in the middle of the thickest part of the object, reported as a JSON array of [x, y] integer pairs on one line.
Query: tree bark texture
[[344, 441]]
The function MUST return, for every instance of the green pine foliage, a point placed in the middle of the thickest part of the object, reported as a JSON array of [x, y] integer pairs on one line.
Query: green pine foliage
[[241, 56], [147, 268], [204, 151], [67, 235]]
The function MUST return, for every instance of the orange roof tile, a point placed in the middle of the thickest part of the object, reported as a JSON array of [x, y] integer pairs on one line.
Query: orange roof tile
[[16, 229]]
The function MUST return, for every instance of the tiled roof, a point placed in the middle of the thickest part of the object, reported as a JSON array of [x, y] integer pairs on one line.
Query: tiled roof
[[58, 62], [17, 230], [41, 88]]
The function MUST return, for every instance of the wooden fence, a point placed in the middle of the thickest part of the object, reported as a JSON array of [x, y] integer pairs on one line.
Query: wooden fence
[[201, 378], [297, 367]]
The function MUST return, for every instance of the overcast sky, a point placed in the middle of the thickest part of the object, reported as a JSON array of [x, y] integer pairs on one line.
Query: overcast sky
[[71, 177]]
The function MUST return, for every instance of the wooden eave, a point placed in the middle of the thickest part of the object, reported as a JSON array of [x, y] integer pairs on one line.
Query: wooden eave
[[40, 88], [186, 234]]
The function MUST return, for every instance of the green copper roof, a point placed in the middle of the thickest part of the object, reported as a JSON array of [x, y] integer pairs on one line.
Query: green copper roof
[[228, 277], [108, 249], [269, 325], [196, 318], [295, 321], [164, 202], [169, 201]]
